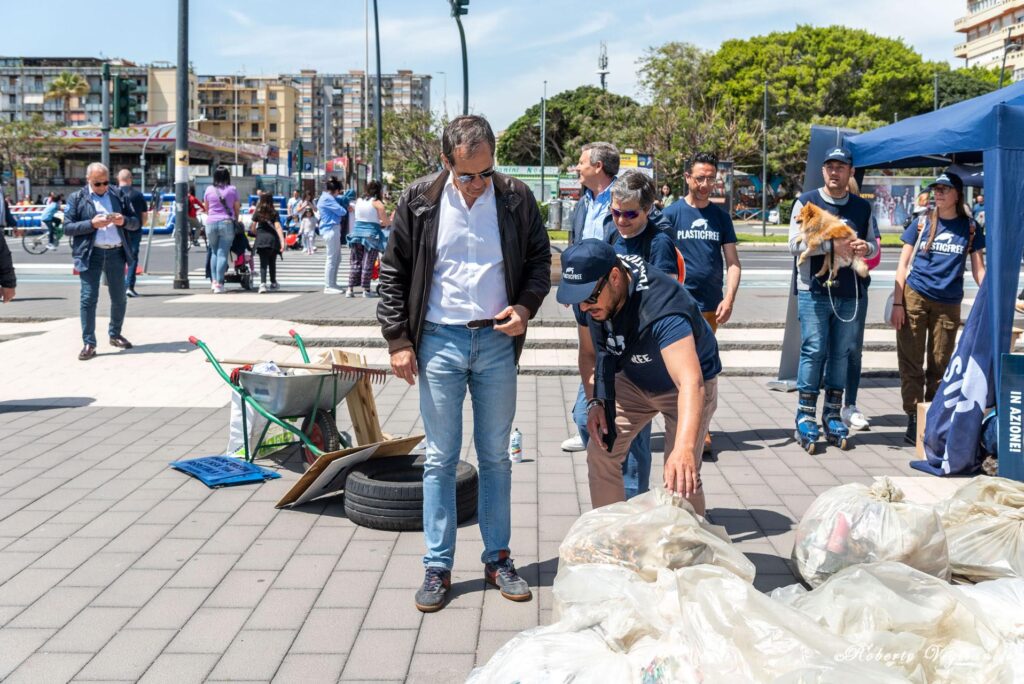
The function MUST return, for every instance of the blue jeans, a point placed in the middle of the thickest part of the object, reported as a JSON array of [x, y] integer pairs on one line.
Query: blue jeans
[[134, 242], [853, 367], [825, 341], [452, 358], [110, 262], [219, 236], [636, 469]]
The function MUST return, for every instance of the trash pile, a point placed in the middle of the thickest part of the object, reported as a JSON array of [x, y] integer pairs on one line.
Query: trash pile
[[649, 592], [984, 524]]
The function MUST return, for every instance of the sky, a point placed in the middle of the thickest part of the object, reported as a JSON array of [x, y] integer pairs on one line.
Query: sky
[[513, 46]]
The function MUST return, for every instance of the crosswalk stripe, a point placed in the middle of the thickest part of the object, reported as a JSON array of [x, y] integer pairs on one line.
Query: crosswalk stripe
[[298, 268]]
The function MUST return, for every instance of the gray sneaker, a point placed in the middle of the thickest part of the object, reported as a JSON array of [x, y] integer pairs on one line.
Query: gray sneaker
[[502, 574], [431, 597]]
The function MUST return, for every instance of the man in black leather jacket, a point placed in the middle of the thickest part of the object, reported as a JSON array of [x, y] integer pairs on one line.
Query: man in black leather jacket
[[468, 264]]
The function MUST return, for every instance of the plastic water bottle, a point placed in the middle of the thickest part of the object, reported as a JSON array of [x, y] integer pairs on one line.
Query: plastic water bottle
[[515, 447]]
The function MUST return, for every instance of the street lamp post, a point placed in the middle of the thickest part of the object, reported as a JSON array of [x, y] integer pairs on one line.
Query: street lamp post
[[460, 7], [764, 164], [764, 161], [378, 171], [543, 138], [1007, 48]]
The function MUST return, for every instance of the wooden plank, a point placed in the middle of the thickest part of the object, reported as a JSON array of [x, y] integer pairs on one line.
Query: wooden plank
[[362, 407]]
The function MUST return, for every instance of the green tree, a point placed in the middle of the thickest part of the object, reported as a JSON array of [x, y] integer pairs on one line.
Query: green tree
[[574, 117], [31, 145], [682, 118], [412, 145], [822, 71], [65, 86], [961, 84]]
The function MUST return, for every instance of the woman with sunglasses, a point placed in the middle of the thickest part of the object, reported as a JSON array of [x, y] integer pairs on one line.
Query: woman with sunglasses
[[632, 200], [930, 290]]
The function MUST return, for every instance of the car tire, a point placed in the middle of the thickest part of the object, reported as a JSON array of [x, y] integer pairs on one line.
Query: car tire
[[400, 478], [387, 493]]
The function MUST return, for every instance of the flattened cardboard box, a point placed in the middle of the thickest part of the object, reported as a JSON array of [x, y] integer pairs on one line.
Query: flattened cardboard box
[[327, 474]]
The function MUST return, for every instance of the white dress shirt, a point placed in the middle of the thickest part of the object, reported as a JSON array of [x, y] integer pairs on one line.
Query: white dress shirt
[[469, 272], [103, 205]]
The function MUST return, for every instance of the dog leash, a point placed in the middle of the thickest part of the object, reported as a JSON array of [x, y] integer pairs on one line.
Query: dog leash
[[828, 288]]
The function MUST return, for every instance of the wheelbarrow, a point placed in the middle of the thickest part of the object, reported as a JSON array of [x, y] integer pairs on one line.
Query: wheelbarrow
[[283, 400]]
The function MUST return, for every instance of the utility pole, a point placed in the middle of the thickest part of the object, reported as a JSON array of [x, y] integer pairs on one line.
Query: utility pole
[[378, 163], [543, 138], [300, 167], [105, 117], [181, 160]]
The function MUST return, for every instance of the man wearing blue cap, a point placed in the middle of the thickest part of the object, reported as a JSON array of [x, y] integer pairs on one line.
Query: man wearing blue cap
[[645, 349], [828, 307]]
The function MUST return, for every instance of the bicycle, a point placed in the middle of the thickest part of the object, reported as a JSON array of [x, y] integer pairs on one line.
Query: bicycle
[[40, 243]]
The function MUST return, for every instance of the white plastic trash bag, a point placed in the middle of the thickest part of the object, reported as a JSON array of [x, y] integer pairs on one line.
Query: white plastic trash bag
[[912, 622], [651, 531], [742, 635], [854, 524], [275, 436], [550, 654], [997, 490], [987, 542], [628, 607]]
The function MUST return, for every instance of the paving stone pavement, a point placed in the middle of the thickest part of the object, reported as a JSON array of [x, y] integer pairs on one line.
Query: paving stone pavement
[[115, 568]]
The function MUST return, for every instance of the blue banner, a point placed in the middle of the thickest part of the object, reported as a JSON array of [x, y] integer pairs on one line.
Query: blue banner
[[953, 427], [1011, 417]]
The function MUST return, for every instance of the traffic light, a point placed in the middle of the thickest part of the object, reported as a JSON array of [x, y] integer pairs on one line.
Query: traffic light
[[125, 102], [459, 7]]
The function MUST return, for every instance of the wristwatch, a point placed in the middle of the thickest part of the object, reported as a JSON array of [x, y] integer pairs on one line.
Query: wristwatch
[[594, 402]]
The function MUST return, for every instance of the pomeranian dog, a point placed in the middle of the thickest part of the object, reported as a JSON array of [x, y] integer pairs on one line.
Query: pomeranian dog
[[817, 225]]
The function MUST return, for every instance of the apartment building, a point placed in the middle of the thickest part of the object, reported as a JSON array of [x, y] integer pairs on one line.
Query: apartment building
[[989, 27], [347, 102], [24, 82], [249, 109]]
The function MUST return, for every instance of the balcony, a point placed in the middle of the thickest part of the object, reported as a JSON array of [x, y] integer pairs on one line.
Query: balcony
[[984, 11]]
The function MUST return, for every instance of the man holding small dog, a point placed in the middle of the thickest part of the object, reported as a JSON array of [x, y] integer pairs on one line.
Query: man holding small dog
[[829, 306]]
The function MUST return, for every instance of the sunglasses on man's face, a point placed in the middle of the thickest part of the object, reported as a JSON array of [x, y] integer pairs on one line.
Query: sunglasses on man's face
[[100, 184], [628, 215], [470, 177], [596, 294]]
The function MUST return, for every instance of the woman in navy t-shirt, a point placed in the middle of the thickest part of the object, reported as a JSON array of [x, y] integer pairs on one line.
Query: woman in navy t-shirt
[[929, 291]]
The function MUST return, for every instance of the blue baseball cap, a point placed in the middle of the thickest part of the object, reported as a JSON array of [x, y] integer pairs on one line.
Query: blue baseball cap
[[583, 265], [950, 180], [839, 154]]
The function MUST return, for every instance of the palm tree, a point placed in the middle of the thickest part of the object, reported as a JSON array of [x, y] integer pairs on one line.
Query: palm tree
[[65, 86]]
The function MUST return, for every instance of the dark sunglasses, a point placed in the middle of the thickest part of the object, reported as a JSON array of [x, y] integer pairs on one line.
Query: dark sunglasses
[[592, 299], [101, 184], [470, 177], [628, 215]]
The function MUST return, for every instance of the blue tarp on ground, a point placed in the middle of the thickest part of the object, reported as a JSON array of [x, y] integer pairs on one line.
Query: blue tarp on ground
[[989, 129]]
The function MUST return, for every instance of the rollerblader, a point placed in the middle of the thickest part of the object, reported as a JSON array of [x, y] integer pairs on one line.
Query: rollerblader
[[830, 326]]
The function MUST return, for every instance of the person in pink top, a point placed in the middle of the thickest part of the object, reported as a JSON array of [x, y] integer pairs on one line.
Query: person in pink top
[[222, 206]]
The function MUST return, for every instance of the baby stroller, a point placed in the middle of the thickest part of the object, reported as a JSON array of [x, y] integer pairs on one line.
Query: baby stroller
[[241, 262]]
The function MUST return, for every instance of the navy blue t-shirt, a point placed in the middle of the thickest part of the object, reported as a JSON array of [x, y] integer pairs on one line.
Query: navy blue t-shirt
[[642, 361], [938, 274], [662, 254], [700, 234]]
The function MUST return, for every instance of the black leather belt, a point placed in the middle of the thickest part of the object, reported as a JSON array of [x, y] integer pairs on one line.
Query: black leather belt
[[106, 246], [486, 323]]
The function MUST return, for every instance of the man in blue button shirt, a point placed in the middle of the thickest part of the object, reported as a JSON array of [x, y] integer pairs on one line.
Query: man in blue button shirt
[[99, 242], [645, 349]]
